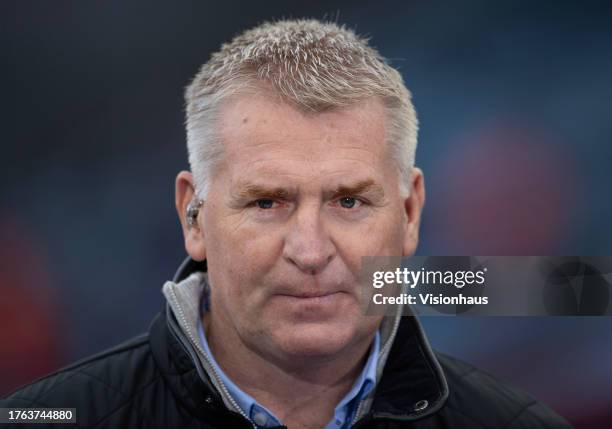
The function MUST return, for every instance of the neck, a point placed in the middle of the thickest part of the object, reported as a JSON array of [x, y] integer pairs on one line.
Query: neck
[[302, 393]]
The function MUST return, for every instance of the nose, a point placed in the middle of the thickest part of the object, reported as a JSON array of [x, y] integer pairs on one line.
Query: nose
[[308, 245]]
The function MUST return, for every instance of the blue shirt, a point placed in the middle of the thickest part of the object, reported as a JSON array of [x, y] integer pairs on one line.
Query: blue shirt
[[344, 412]]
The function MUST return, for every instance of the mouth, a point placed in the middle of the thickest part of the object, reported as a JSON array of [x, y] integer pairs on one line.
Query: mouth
[[313, 299], [309, 295], [312, 306]]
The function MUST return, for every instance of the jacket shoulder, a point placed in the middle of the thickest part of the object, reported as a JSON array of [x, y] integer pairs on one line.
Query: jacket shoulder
[[483, 401], [101, 384]]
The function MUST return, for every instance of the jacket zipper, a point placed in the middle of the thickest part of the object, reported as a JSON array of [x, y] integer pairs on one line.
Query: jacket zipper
[[382, 355], [211, 367]]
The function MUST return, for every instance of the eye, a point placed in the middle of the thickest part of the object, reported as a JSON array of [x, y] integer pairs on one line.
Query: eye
[[348, 202], [265, 204]]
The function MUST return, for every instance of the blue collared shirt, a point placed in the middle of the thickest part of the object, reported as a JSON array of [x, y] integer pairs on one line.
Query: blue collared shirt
[[344, 412]]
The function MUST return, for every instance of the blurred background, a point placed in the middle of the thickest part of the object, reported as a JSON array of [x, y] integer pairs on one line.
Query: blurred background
[[514, 99]]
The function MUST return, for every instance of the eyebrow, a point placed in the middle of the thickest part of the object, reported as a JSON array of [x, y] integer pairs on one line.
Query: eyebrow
[[251, 191], [367, 186]]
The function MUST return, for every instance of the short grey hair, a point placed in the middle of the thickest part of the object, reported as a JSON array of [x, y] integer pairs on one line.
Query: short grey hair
[[310, 64]]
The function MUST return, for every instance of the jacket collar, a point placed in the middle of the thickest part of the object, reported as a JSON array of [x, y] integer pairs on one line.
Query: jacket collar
[[411, 382]]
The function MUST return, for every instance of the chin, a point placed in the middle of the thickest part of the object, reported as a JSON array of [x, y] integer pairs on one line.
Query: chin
[[315, 340]]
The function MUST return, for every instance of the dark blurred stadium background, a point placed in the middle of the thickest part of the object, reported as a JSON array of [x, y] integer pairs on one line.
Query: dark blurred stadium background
[[515, 102]]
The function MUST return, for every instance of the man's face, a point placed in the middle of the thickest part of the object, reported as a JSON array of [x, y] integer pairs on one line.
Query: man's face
[[295, 203]]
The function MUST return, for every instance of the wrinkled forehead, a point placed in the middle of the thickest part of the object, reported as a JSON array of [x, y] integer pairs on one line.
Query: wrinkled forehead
[[269, 142], [253, 125]]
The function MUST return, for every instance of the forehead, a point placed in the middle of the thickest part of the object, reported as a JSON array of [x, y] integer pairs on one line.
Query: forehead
[[264, 138]]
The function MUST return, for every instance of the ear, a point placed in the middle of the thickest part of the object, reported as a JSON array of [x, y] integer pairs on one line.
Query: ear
[[413, 205], [194, 236]]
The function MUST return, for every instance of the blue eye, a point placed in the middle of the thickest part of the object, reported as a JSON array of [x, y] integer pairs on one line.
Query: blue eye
[[265, 204], [348, 202]]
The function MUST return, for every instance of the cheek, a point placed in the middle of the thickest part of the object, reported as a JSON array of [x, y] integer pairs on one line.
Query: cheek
[[243, 257], [382, 236], [255, 250]]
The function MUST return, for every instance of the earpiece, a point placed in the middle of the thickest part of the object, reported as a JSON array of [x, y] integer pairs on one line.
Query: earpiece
[[191, 214]]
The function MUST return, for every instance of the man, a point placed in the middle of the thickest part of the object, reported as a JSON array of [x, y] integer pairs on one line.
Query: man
[[301, 145]]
